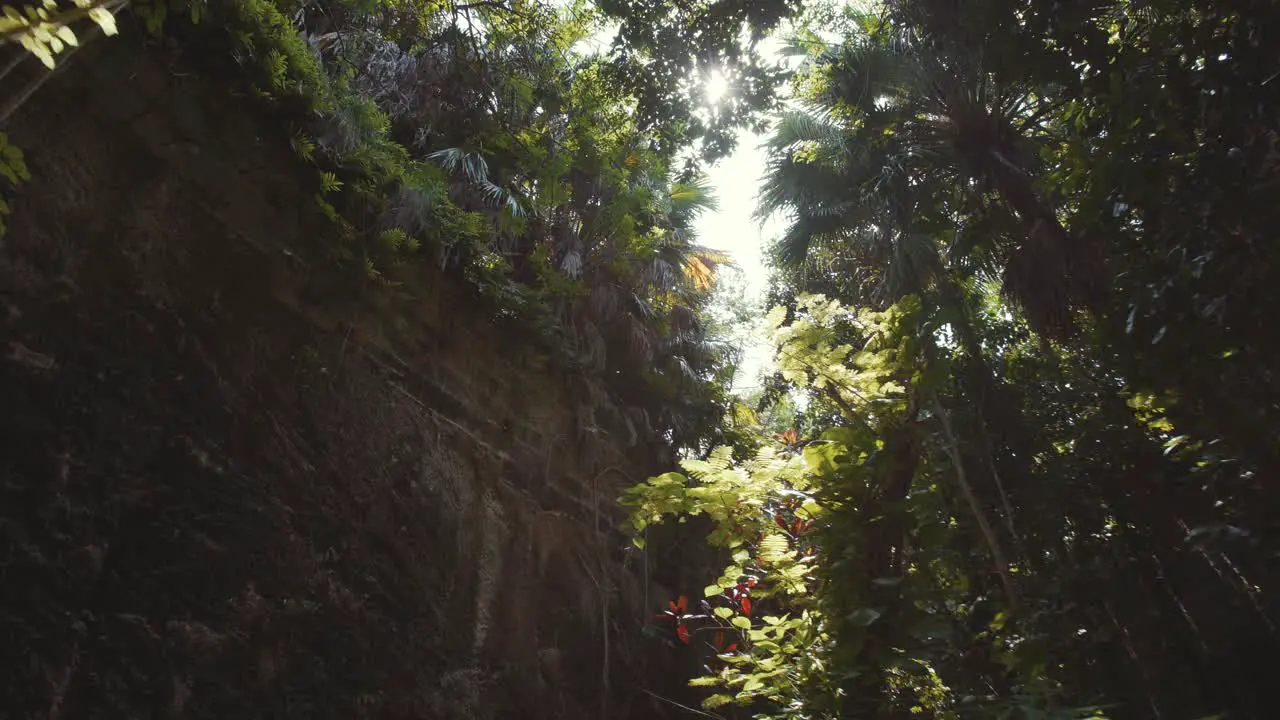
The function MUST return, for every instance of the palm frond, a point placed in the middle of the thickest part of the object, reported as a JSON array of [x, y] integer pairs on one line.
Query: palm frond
[[690, 199], [799, 126], [700, 267], [640, 339], [790, 185], [476, 169], [792, 249], [660, 273], [700, 273], [571, 264], [604, 302], [501, 197], [454, 158], [868, 71]]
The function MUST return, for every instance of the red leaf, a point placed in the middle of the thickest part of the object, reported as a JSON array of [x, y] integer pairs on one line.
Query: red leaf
[[746, 605], [682, 632], [683, 603], [752, 582], [731, 648], [719, 639], [673, 606], [781, 523]]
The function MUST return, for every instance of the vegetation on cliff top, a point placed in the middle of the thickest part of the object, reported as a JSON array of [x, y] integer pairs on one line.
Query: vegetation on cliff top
[[477, 139]]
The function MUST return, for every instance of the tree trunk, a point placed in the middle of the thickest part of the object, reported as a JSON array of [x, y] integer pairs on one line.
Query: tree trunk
[[998, 555], [1052, 272]]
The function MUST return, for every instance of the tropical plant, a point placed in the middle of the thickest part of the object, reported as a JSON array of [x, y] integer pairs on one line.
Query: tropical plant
[[900, 139], [1072, 498]]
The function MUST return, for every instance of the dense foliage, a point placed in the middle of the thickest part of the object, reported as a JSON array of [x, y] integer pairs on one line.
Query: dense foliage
[[479, 138], [1038, 484], [1024, 310]]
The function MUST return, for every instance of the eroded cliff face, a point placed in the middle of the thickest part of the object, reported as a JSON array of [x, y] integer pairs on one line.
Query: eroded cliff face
[[223, 499]]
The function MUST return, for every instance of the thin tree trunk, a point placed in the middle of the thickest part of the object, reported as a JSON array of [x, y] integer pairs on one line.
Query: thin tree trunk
[[983, 388], [998, 555]]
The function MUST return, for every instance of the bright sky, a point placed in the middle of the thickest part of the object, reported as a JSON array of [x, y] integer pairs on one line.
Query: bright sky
[[732, 228]]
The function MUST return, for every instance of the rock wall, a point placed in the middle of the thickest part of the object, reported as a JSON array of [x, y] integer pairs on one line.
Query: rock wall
[[223, 493]]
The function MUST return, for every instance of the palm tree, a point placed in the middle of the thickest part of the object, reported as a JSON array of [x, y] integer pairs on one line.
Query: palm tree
[[905, 173], [856, 216], [906, 138], [645, 281]]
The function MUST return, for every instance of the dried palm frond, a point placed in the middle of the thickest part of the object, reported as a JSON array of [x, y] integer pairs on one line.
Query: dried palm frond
[[571, 263], [640, 339], [700, 268]]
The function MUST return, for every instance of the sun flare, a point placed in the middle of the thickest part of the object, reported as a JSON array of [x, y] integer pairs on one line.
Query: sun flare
[[716, 87]]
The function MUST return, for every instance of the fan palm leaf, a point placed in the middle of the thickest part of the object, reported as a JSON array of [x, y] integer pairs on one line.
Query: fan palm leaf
[[898, 126]]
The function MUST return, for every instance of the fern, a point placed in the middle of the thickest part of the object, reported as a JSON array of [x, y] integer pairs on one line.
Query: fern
[[303, 146], [329, 183]]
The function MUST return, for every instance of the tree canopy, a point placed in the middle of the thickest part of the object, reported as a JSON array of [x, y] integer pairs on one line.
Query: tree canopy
[[1020, 293]]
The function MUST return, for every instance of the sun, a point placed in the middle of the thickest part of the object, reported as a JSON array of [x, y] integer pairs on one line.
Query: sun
[[716, 87]]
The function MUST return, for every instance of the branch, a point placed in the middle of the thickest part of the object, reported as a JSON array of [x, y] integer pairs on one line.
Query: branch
[[695, 711], [495, 4], [847, 409], [61, 19], [12, 104]]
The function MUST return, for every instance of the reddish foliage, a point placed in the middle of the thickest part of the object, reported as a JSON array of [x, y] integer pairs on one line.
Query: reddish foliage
[[790, 437]]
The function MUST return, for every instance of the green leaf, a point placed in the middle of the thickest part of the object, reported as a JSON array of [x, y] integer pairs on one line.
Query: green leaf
[[824, 458], [104, 19], [67, 35], [717, 700], [741, 622], [723, 613], [711, 590], [774, 547]]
